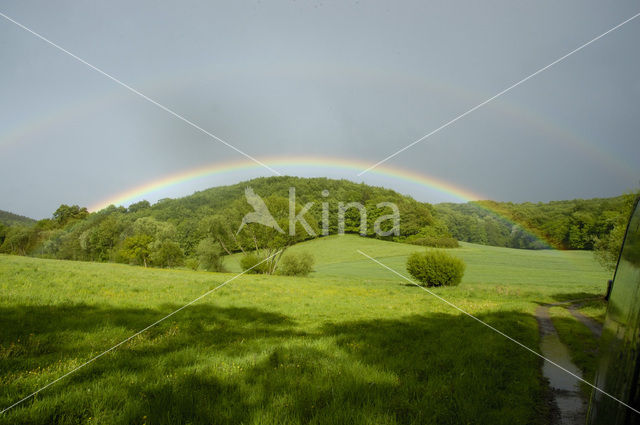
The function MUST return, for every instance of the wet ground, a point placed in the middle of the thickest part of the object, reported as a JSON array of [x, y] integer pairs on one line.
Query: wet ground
[[570, 405], [594, 326]]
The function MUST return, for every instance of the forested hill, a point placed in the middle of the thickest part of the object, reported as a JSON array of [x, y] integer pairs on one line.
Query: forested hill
[[173, 226], [7, 218], [188, 212], [572, 224], [170, 231]]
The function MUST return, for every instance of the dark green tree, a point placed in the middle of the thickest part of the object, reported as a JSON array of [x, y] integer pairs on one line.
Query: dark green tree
[[139, 206], [66, 213], [607, 248]]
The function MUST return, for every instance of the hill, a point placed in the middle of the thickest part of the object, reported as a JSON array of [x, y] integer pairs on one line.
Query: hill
[[9, 219], [225, 198], [176, 232], [170, 231]]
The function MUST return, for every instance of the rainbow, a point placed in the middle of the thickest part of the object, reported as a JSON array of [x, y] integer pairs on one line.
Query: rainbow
[[138, 192], [336, 73], [321, 163]]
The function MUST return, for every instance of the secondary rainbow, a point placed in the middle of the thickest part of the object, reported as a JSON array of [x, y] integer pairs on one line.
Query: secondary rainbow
[[39, 126]]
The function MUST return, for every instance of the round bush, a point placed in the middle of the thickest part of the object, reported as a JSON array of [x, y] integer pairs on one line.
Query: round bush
[[252, 260], [296, 264], [435, 268]]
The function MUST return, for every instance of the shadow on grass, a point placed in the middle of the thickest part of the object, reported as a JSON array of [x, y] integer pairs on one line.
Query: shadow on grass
[[213, 365], [453, 369], [49, 333], [574, 296]]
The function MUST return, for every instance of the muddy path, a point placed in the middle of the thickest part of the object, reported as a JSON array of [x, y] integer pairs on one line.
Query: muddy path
[[570, 406], [594, 326]]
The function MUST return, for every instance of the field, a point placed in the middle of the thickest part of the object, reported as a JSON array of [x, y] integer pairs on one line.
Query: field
[[352, 343]]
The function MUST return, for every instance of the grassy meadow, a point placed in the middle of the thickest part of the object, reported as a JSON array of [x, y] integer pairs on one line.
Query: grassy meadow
[[351, 343]]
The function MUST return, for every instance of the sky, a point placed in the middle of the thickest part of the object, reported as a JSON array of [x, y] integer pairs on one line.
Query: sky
[[342, 82]]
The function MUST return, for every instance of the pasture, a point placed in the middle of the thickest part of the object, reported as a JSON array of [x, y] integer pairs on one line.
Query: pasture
[[351, 343]]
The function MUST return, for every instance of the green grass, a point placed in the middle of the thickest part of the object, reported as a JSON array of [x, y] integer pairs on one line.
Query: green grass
[[594, 309], [352, 343]]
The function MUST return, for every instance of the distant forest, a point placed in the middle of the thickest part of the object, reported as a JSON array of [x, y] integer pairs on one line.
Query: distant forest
[[574, 224], [9, 219], [175, 232]]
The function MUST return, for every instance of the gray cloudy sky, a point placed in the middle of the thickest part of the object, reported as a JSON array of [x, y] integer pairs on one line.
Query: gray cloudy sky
[[351, 80]]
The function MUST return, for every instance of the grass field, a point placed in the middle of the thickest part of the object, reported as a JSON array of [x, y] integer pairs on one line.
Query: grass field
[[352, 343]]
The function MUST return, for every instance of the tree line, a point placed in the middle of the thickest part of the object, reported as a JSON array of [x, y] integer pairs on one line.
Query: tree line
[[571, 224], [197, 231]]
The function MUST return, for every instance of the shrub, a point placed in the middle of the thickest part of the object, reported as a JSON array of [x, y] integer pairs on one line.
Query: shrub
[[251, 260], [209, 257], [192, 263], [300, 264], [436, 242], [435, 268]]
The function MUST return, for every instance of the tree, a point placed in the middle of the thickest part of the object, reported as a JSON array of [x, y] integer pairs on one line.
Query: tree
[[137, 249], [139, 206], [580, 230], [3, 232], [17, 240], [157, 230], [607, 248], [98, 241], [66, 213], [209, 256], [188, 235], [222, 229], [167, 254], [151, 242], [270, 243]]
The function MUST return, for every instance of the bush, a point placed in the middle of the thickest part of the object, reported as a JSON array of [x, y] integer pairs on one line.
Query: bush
[[192, 263], [209, 257], [436, 242], [251, 260], [435, 268], [292, 264]]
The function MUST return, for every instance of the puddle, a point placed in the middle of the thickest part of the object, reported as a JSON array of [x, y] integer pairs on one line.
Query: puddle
[[565, 388]]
